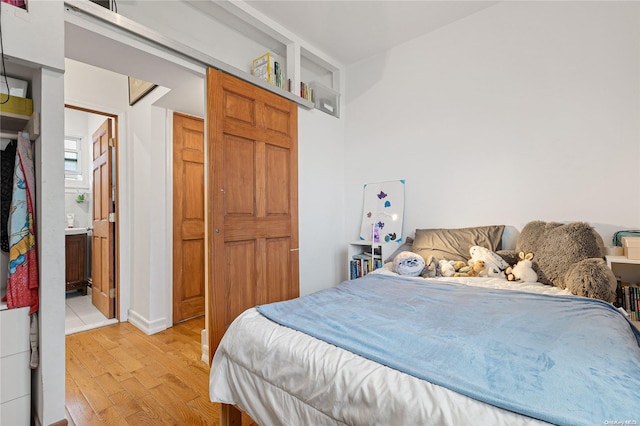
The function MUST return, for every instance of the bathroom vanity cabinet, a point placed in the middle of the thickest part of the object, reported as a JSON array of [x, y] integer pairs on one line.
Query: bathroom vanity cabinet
[[76, 275]]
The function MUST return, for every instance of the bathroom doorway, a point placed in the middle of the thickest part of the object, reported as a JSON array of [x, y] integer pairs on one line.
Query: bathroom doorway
[[82, 198]]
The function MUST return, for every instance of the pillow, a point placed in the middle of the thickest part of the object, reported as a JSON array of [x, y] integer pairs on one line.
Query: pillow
[[454, 244]]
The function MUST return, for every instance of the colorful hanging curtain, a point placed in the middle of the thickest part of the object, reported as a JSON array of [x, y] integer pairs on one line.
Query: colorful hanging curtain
[[22, 282]]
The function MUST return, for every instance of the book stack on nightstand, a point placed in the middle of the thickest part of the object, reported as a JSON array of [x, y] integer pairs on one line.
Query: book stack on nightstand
[[627, 271], [629, 299], [364, 257], [363, 263]]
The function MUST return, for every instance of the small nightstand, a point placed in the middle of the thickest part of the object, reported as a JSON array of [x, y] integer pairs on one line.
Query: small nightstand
[[380, 252], [625, 270]]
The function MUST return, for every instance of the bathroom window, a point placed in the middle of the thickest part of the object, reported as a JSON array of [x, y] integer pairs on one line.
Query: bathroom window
[[74, 162], [71, 159]]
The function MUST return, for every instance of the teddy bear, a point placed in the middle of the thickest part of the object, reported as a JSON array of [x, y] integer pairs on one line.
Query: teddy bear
[[477, 268], [523, 270], [459, 264], [567, 255]]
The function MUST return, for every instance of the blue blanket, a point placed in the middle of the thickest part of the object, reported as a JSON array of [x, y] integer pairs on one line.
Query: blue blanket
[[561, 359]]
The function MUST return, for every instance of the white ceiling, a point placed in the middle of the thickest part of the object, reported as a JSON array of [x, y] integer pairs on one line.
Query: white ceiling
[[351, 30]]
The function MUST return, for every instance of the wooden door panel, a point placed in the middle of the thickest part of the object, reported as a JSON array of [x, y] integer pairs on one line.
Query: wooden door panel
[[277, 191], [240, 108], [241, 286], [193, 203], [239, 183], [192, 144], [253, 177], [191, 292], [277, 120], [278, 272]]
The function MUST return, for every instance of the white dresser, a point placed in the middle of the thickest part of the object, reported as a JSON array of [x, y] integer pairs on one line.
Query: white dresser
[[15, 374]]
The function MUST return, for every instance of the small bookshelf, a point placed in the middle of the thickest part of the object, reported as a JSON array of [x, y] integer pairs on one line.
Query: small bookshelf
[[364, 257]]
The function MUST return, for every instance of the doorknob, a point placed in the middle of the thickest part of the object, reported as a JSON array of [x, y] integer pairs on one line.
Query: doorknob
[[217, 230]]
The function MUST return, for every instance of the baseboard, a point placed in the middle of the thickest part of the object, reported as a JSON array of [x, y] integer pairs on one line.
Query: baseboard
[[146, 326]]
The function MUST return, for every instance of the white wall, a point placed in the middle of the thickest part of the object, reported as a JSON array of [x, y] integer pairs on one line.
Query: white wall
[[49, 377], [76, 124], [34, 39], [320, 188], [320, 137], [523, 111], [150, 186]]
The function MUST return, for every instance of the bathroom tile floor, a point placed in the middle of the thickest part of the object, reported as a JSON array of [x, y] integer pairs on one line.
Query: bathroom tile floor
[[81, 315]]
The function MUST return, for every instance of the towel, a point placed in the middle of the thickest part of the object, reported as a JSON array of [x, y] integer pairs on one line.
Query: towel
[[22, 282]]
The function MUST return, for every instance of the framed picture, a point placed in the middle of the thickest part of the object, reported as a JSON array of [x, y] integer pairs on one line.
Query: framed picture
[[138, 89]]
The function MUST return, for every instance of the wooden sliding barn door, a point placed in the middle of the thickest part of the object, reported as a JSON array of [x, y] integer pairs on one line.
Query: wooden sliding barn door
[[253, 212]]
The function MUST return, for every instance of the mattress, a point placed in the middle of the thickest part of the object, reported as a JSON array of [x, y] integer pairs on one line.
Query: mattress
[[281, 376]]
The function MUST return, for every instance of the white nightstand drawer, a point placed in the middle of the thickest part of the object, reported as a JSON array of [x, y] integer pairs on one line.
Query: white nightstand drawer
[[16, 412], [16, 377], [14, 329]]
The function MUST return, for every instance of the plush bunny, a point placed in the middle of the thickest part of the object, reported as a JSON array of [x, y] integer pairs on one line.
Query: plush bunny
[[523, 270]]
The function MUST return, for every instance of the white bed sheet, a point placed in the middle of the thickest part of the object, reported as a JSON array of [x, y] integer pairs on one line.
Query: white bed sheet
[[280, 376]]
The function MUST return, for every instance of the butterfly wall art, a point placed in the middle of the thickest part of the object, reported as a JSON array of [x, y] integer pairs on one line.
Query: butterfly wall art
[[383, 211]]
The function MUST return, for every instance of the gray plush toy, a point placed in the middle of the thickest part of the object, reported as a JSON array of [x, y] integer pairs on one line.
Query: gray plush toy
[[567, 256]]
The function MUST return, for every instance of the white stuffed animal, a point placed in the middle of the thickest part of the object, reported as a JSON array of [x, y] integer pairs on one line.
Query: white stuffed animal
[[446, 268], [523, 271], [494, 264], [408, 263]]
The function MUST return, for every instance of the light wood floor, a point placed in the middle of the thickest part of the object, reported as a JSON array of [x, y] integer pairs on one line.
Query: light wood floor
[[118, 375]]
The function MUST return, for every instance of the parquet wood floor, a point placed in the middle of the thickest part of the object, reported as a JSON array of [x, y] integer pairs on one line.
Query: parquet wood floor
[[117, 375]]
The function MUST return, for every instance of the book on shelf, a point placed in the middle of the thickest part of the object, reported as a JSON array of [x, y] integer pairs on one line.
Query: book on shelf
[[631, 300], [361, 264], [268, 68], [306, 92]]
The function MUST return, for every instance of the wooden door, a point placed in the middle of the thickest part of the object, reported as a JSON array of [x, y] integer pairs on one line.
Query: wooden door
[[188, 217], [102, 244], [253, 183]]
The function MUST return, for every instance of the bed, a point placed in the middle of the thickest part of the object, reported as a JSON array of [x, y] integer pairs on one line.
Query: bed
[[387, 349]]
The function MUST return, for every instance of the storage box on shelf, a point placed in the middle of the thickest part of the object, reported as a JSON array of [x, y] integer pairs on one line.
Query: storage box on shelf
[[270, 68], [16, 115], [16, 105], [631, 247], [325, 99], [16, 87]]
